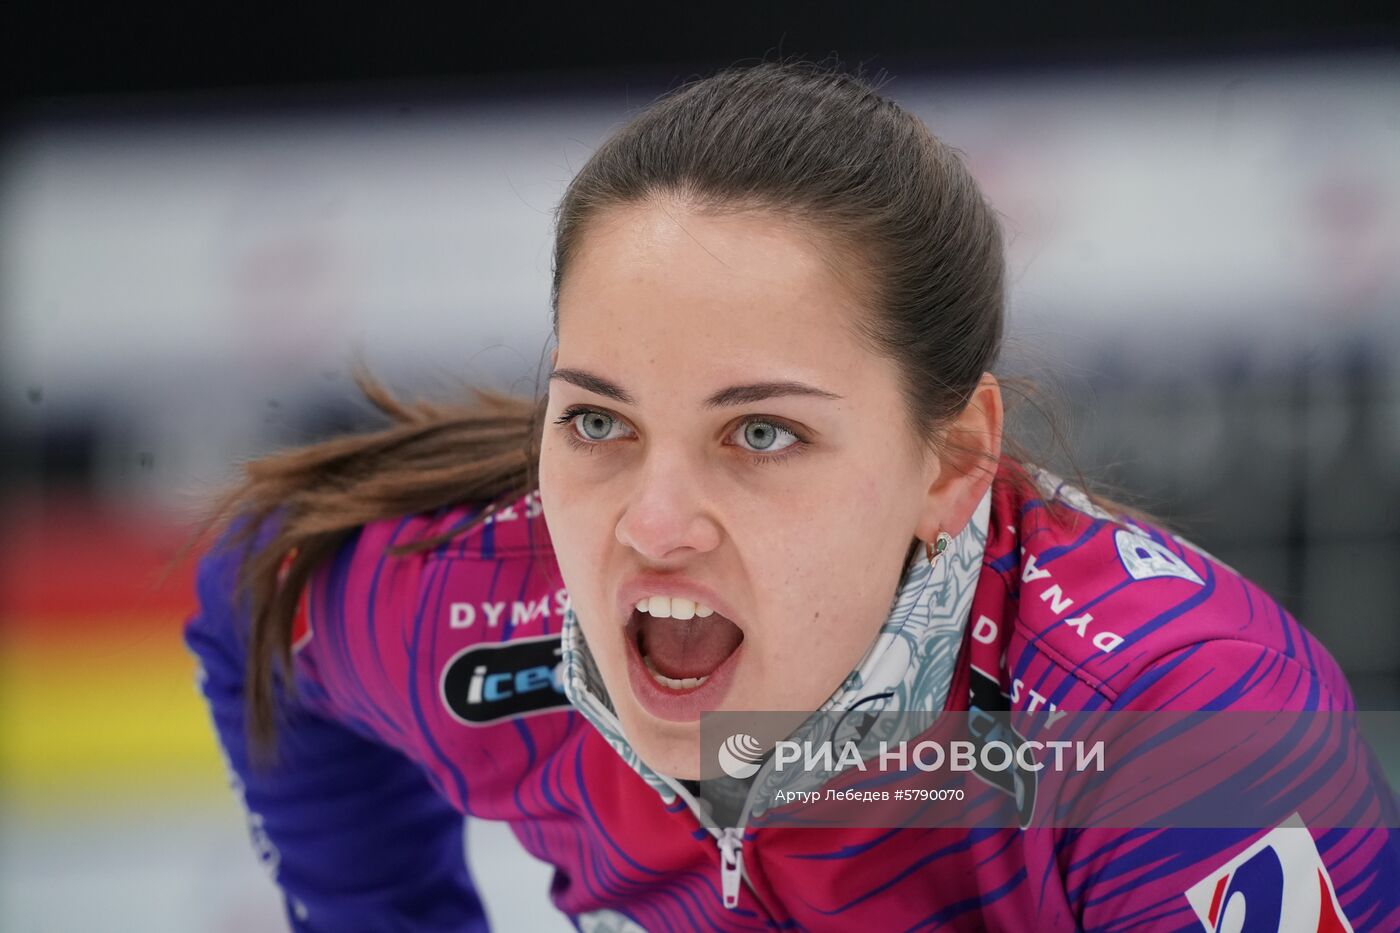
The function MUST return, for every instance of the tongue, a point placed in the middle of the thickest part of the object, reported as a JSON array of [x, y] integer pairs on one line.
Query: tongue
[[688, 648]]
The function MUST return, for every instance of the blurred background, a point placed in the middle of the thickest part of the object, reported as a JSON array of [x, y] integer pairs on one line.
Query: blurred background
[[202, 221]]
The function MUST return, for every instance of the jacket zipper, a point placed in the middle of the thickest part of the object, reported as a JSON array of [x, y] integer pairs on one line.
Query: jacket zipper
[[731, 865], [730, 840]]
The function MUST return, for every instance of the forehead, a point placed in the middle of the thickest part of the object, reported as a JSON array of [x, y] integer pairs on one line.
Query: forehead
[[661, 283]]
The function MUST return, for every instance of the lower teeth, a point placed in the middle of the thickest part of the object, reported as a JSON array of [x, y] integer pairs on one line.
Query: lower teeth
[[685, 683]]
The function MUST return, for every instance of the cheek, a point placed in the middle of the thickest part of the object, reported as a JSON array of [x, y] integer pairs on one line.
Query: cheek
[[571, 528], [565, 496], [834, 585], [552, 475]]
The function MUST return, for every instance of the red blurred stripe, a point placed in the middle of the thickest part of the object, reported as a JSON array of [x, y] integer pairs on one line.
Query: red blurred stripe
[[90, 562]]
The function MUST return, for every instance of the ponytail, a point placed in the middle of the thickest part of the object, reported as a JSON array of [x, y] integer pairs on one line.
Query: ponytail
[[305, 502]]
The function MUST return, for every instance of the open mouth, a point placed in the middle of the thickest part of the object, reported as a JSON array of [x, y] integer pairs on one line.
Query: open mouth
[[680, 654]]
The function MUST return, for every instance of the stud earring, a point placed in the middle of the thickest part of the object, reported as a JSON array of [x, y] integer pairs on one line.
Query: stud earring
[[937, 547]]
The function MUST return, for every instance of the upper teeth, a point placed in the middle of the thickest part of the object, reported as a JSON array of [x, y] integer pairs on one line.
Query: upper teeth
[[673, 607]]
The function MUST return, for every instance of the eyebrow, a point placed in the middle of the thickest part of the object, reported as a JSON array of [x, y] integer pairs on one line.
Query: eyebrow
[[724, 398]]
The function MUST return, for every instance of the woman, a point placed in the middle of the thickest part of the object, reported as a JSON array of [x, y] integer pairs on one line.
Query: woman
[[770, 476]]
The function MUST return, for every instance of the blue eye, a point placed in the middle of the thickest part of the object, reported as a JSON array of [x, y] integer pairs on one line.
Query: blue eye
[[596, 425], [764, 435], [590, 429]]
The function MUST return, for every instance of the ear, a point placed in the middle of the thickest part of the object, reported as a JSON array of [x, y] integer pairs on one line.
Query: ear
[[961, 477]]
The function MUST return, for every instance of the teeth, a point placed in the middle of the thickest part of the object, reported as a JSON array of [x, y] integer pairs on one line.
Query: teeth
[[673, 607], [685, 683]]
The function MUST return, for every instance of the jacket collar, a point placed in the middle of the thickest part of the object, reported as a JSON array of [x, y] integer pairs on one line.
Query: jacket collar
[[908, 666]]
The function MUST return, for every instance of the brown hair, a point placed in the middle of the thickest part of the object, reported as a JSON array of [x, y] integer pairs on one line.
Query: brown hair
[[808, 141]]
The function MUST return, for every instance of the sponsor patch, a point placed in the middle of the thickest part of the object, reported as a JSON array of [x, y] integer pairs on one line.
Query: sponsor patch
[[1144, 558], [488, 683], [1279, 883]]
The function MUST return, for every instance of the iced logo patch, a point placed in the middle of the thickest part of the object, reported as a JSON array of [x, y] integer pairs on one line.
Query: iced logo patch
[[487, 683], [1144, 558], [1279, 883]]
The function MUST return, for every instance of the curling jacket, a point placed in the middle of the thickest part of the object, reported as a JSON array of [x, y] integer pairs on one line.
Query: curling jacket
[[456, 681]]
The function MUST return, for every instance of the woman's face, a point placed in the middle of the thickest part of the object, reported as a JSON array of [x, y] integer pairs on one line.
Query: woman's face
[[715, 432]]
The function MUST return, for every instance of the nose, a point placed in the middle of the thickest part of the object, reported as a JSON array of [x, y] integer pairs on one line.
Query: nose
[[666, 517]]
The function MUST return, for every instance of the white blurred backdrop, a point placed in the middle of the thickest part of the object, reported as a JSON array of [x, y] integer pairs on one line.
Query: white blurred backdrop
[[1205, 265]]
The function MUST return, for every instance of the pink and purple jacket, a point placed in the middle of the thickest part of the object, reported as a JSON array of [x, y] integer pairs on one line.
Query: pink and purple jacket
[[457, 681]]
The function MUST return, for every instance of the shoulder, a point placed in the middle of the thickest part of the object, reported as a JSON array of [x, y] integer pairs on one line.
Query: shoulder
[[402, 626], [1143, 617], [464, 633], [481, 556]]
